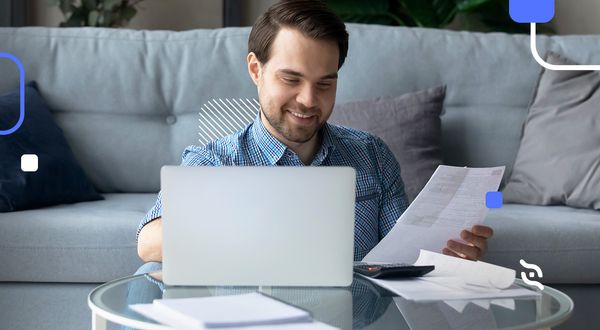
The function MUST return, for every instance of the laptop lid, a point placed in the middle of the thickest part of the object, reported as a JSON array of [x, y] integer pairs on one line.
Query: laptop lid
[[263, 226]]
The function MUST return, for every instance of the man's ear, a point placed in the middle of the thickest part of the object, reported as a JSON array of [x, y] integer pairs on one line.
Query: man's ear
[[254, 67]]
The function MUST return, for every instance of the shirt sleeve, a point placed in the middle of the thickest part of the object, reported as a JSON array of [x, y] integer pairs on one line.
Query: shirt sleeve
[[192, 156], [394, 201]]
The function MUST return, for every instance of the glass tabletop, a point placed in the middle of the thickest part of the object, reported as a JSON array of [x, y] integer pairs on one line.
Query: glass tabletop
[[363, 305]]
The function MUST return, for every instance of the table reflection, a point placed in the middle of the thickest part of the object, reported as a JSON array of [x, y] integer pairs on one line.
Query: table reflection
[[363, 305]]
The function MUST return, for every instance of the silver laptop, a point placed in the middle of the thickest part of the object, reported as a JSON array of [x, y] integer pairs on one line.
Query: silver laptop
[[258, 226]]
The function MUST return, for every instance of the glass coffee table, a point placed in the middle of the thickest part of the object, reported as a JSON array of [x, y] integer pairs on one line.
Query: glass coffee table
[[360, 306]]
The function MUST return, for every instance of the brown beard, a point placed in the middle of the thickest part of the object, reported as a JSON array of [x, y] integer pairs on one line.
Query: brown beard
[[297, 136]]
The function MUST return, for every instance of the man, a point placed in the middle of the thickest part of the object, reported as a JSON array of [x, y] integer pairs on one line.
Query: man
[[295, 50]]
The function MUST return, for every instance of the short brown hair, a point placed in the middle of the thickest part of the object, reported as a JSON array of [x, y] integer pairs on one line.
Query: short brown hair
[[311, 17]]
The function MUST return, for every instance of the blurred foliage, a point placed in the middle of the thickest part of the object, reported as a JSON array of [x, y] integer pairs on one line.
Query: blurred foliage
[[473, 15], [97, 13]]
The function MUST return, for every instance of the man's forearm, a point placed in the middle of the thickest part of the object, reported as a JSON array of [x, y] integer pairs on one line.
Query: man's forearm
[[149, 245]]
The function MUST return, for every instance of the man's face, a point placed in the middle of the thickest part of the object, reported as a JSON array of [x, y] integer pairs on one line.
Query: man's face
[[296, 86]]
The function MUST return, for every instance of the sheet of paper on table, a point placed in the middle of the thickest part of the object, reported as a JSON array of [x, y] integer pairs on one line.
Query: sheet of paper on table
[[445, 288], [466, 274], [453, 199], [251, 311], [457, 279]]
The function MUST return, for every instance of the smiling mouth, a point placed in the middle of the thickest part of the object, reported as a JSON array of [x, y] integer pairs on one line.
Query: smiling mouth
[[300, 115]]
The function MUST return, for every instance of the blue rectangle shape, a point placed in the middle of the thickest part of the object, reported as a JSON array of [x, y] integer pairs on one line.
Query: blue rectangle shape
[[493, 200], [531, 11]]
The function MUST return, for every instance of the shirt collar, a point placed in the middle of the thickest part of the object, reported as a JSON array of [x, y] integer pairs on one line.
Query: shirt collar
[[274, 149], [327, 145]]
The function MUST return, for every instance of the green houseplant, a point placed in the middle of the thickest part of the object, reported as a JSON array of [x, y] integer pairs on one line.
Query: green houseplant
[[475, 15], [97, 13]]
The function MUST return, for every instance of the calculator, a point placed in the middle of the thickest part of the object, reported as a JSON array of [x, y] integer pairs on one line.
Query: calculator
[[392, 270]]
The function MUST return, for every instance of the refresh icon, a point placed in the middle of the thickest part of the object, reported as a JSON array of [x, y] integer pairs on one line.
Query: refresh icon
[[21, 94]]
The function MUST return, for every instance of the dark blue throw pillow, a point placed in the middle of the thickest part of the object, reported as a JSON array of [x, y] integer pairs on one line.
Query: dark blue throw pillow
[[59, 178]]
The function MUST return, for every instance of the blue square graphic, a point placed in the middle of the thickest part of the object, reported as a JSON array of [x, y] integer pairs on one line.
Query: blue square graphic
[[493, 199], [531, 11]]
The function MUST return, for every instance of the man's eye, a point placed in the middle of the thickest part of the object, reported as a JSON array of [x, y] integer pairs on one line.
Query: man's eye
[[290, 81], [323, 85]]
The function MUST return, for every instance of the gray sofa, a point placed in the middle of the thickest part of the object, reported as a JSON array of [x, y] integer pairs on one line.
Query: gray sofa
[[128, 103]]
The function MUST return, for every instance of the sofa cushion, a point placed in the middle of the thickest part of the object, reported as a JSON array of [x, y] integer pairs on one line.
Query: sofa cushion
[[559, 158], [84, 242], [562, 240], [409, 124], [59, 178]]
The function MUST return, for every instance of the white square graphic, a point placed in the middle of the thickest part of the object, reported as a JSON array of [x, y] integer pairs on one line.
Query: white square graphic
[[29, 163]]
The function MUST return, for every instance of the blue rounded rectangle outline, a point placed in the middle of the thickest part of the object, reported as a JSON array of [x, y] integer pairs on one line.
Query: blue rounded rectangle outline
[[21, 94], [531, 11]]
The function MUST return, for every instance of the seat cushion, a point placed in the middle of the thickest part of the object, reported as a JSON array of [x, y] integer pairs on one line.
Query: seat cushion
[[562, 240], [84, 242]]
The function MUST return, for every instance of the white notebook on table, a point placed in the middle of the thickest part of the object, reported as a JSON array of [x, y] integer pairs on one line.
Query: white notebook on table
[[246, 310]]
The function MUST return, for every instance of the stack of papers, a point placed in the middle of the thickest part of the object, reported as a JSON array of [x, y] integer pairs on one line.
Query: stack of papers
[[247, 311]]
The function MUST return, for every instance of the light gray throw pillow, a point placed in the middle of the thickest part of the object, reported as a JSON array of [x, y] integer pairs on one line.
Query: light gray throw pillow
[[409, 124], [559, 158]]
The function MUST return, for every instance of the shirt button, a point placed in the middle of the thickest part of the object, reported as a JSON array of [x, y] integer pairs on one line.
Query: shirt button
[[171, 120]]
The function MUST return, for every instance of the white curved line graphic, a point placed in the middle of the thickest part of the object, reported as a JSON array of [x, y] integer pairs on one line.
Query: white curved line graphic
[[535, 267], [563, 67], [538, 271]]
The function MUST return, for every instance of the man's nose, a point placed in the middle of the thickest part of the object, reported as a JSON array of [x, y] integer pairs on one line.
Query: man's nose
[[307, 96]]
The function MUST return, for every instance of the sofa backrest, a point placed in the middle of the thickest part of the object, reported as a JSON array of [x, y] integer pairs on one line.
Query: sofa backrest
[[128, 101]]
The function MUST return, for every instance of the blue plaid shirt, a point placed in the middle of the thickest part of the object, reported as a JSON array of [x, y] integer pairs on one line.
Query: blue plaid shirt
[[380, 197]]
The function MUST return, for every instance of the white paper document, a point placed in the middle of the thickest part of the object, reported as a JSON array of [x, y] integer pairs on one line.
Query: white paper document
[[457, 279], [445, 288], [453, 199], [250, 311], [475, 275]]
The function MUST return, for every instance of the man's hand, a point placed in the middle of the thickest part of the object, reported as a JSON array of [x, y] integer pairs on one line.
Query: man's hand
[[475, 247]]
